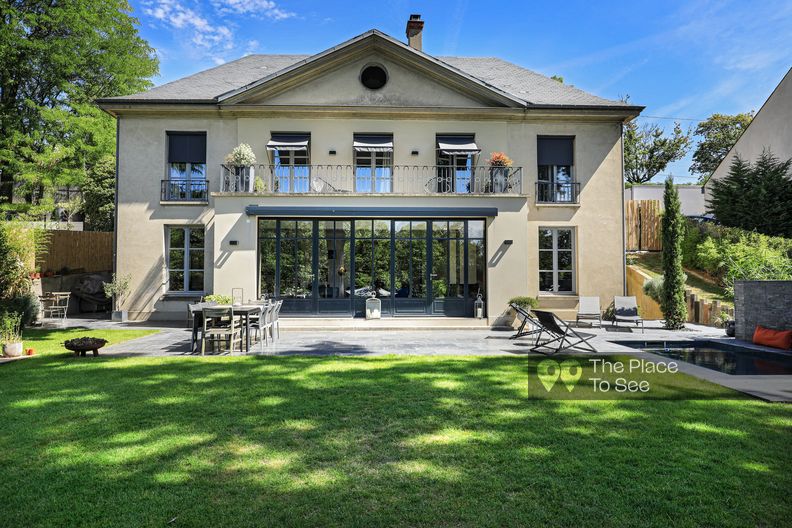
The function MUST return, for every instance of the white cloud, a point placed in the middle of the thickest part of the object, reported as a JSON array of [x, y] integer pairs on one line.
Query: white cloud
[[265, 8]]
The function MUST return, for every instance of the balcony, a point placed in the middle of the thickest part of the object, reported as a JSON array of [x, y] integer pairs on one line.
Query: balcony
[[184, 191], [557, 192], [394, 180]]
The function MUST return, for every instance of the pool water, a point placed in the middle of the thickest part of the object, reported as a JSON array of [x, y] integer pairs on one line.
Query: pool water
[[726, 358]]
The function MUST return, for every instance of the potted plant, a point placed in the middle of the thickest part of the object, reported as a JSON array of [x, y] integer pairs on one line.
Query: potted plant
[[509, 315], [117, 289], [11, 334], [240, 163], [499, 172]]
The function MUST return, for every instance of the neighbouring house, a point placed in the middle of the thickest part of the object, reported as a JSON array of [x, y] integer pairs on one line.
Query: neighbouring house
[[372, 177], [771, 128], [691, 197]]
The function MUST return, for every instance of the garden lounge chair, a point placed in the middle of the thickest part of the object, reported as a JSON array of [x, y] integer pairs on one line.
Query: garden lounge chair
[[625, 309], [589, 310], [527, 320], [561, 333]]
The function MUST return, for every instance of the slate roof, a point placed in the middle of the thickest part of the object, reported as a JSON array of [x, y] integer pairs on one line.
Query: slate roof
[[519, 82]]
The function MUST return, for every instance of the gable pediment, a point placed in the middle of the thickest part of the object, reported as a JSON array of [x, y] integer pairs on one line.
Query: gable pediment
[[332, 78]]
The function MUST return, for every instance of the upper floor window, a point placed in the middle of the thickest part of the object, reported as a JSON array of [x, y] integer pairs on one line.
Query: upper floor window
[[456, 157], [186, 155], [185, 259], [556, 183], [290, 162], [373, 163], [186, 178]]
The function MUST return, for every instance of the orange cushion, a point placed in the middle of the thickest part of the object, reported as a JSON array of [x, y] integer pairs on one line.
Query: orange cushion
[[773, 338]]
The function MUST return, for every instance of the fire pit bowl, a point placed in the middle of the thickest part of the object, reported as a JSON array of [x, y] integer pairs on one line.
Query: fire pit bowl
[[81, 345]]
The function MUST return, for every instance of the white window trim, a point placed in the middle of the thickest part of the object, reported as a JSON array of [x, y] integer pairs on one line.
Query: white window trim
[[555, 269]]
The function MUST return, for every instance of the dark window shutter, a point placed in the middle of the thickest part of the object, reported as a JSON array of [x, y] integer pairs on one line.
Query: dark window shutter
[[186, 147], [555, 151]]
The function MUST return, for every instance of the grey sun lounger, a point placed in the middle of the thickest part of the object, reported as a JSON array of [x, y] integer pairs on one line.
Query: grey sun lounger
[[561, 333], [589, 310], [625, 310]]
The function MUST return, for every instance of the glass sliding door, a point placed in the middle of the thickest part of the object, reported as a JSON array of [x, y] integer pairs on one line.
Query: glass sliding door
[[415, 267], [334, 266], [409, 249]]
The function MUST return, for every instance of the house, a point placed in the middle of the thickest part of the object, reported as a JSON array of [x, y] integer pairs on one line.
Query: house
[[371, 178], [771, 128], [691, 197]]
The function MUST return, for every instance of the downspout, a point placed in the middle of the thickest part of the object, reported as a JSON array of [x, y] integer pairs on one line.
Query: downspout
[[623, 226], [115, 208]]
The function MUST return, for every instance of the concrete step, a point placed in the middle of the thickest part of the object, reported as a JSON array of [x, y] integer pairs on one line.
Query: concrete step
[[388, 323]]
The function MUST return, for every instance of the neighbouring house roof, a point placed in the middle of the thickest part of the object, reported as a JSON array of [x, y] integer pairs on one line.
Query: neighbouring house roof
[[519, 84]]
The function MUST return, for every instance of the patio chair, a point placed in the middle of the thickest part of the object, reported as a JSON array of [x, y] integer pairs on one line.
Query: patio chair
[[589, 310], [220, 324], [561, 333], [527, 320], [275, 320], [625, 309], [262, 324], [55, 305]]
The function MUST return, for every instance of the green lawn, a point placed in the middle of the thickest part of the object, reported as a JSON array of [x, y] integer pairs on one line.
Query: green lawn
[[266, 441], [50, 341]]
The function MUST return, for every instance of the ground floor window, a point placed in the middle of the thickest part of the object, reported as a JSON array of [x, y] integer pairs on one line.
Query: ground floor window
[[556, 260], [414, 266], [185, 259]]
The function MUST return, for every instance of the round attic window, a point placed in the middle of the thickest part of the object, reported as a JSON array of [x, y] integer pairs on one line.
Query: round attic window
[[374, 77]]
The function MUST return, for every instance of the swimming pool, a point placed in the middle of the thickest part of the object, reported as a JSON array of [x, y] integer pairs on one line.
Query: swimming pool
[[722, 357]]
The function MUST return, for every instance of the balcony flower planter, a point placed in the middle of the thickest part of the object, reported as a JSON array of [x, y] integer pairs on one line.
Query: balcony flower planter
[[499, 172]]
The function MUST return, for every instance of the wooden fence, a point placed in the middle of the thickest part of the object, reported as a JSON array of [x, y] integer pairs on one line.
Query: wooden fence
[[642, 220], [699, 311], [88, 251]]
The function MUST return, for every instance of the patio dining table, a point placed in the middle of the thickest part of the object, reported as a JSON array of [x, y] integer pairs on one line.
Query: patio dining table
[[245, 310]]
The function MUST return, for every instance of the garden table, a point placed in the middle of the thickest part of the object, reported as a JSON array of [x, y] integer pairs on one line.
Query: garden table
[[244, 310]]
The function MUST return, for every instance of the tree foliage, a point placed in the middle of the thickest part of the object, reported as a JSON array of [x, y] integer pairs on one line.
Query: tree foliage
[[673, 294], [648, 150], [98, 192], [719, 133], [755, 197], [58, 57]]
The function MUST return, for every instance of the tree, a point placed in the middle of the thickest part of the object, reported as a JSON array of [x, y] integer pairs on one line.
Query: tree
[[648, 151], [719, 132], [57, 58], [558, 78], [673, 294], [755, 197], [98, 193]]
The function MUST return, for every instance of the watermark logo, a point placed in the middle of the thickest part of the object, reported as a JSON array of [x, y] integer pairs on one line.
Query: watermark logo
[[549, 371]]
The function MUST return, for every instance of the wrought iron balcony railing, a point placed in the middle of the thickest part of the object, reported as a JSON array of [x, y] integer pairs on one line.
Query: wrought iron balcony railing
[[557, 192], [397, 179], [184, 191]]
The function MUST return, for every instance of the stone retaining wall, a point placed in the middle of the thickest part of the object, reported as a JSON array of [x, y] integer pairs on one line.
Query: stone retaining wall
[[768, 303]]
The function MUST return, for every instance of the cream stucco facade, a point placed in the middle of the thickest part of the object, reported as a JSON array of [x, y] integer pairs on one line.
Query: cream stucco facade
[[415, 106]]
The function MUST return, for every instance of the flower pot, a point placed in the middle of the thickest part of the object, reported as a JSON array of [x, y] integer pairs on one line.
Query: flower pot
[[12, 349], [120, 316], [498, 179], [730, 328]]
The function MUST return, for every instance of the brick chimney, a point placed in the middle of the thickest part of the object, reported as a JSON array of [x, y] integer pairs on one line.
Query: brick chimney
[[415, 32]]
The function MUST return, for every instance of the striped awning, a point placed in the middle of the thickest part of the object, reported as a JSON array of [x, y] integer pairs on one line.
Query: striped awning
[[373, 143], [288, 142], [457, 145]]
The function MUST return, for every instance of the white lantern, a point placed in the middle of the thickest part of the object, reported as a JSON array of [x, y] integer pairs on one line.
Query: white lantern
[[478, 307], [373, 307]]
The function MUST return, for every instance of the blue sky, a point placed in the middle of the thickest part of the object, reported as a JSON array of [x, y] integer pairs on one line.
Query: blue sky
[[685, 59]]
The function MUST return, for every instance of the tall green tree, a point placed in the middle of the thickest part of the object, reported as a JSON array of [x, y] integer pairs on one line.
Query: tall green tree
[[755, 196], [98, 191], [673, 294], [57, 57], [719, 133], [648, 150]]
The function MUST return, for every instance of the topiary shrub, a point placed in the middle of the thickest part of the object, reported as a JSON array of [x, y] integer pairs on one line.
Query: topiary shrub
[[523, 301]]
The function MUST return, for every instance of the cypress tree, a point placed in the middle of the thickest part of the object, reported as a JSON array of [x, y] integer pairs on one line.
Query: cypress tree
[[673, 294]]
